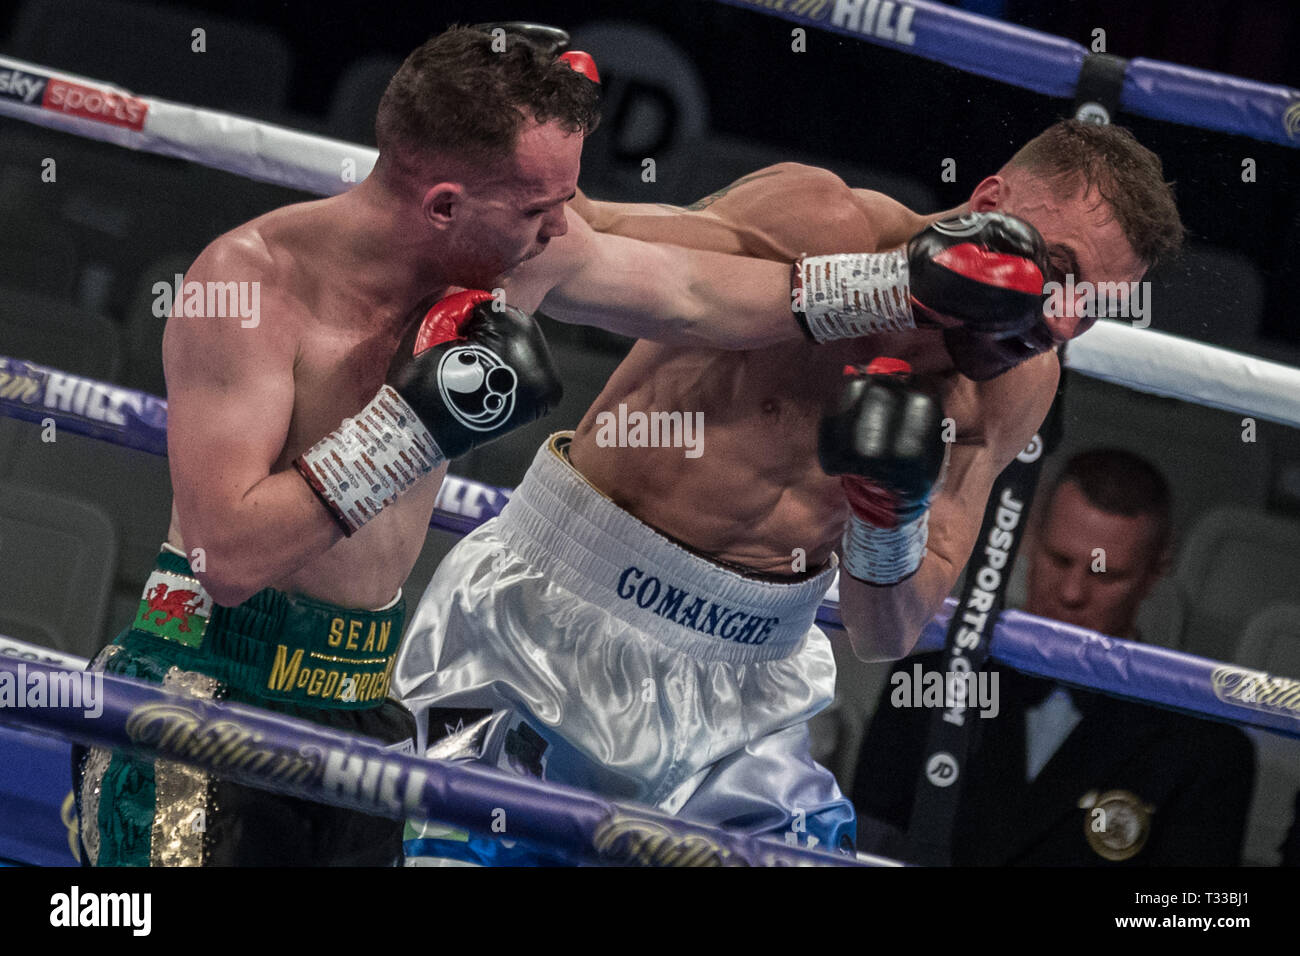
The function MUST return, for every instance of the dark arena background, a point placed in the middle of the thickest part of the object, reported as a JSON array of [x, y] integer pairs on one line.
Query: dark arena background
[[709, 91]]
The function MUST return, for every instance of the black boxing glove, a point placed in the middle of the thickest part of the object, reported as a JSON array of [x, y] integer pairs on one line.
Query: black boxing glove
[[550, 40], [981, 356], [475, 373], [983, 271], [882, 437]]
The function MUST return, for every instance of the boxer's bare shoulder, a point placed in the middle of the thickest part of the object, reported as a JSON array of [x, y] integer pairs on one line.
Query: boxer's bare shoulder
[[245, 398]]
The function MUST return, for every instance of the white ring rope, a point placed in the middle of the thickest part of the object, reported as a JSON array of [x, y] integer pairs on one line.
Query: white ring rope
[[1140, 359], [1175, 367], [235, 144]]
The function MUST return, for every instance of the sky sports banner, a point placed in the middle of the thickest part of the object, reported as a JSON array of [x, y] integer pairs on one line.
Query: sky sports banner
[[31, 88]]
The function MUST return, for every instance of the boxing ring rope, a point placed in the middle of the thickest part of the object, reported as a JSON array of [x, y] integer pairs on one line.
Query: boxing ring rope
[[1049, 64], [579, 824], [265, 152], [1175, 367], [1211, 688], [302, 759]]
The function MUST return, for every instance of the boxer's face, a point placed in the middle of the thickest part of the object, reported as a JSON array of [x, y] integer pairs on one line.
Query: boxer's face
[[1077, 537], [1084, 240], [510, 214]]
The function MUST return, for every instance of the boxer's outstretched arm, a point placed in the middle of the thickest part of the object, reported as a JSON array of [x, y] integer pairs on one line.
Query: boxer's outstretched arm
[[884, 623], [780, 212], [230, 393], [664, 293]]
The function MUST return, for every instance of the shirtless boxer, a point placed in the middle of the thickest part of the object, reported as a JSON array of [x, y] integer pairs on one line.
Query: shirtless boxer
[[641, 610], [307, 451]]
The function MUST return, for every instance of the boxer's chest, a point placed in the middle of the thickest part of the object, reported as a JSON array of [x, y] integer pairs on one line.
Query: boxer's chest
[[336, 372]]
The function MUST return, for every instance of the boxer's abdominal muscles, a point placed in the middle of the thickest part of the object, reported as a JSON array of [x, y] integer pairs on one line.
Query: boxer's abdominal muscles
[[747, 488]]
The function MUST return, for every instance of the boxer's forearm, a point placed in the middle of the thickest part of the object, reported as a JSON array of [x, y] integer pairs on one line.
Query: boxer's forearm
[[668, 294], [737, 302], [884, 623], [270, 532]]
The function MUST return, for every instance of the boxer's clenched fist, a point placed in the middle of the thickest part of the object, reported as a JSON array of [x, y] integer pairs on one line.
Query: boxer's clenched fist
[[983, 272], [882, 436], [475, 373]]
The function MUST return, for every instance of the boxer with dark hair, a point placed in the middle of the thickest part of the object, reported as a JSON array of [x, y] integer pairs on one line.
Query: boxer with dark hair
[[306, 450]]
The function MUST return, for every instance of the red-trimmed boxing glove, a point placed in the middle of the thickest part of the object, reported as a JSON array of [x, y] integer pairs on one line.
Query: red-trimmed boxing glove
[[550, 40], [477, 371], [882, 437], [983, 272]]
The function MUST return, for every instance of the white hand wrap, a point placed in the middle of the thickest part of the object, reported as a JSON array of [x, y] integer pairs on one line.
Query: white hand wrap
[[884, 556], [368, 461], [853, 294]]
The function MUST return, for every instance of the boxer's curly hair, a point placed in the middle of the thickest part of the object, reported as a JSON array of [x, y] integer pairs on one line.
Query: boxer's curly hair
[[1127, 175], [456, 95]]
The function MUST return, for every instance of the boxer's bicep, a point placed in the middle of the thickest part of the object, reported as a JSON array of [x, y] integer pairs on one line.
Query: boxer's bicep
[[230, 399]]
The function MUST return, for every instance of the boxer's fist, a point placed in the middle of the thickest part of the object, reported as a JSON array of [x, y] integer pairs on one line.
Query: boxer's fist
[[984, 272], [882, 436], [981, 356], [475, 372]]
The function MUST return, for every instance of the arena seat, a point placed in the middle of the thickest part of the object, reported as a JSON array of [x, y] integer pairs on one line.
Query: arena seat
[[52, 332], [356, 98], [653, 105], [42, 257], [148, 49], [144, 330], [131, 488], [1233, 562], [1188, 296], [59, 554]]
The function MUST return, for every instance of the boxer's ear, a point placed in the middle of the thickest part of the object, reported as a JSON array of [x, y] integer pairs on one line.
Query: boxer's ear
[[441, 203], [989, 195]]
